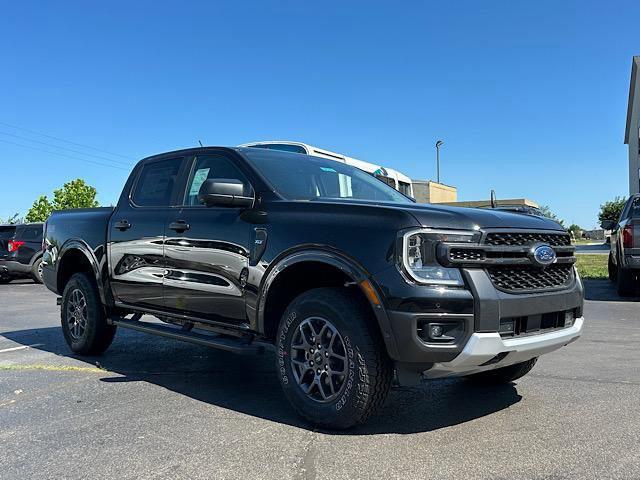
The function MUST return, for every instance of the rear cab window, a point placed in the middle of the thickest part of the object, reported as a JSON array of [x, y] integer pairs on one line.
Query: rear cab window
[[156, 182]]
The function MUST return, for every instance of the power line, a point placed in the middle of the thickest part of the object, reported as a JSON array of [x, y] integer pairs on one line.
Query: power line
[[65, 148], [63, 155], [65, 141]]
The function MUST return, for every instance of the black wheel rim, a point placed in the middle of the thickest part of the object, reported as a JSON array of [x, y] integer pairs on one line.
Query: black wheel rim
[[77, 314], [318, 359]]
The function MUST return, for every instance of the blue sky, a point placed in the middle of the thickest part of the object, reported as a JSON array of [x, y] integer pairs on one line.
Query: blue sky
[[529, 97]]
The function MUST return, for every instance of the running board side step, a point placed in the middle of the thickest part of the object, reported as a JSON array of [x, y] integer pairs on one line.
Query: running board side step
[[239, 346]]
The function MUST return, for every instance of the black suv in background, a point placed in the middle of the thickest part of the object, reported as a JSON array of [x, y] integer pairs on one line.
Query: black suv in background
[[624, 258], [21, 252]]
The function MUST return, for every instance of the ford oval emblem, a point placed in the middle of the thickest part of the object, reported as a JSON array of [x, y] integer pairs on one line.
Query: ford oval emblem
[[544, 255]]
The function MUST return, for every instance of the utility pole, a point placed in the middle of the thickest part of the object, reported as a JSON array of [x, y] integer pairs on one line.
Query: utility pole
[[439, 143]]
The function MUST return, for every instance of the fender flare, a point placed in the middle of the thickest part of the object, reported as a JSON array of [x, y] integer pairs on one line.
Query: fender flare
[[85, 249], [334, 258]]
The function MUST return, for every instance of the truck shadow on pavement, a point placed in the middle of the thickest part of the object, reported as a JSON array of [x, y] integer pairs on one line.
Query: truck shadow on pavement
[[249, 384], [605, 291]]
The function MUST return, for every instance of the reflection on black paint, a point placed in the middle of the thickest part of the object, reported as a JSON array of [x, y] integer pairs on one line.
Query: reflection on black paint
[[196, 277]]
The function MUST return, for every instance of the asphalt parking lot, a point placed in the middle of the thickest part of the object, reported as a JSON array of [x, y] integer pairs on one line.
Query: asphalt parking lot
[[155, 408]]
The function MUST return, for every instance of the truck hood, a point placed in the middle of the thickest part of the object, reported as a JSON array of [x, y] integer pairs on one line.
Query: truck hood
[[476, 218]]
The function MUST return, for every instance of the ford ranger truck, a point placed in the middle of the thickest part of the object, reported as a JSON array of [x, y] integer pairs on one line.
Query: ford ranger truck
[[351, 283]]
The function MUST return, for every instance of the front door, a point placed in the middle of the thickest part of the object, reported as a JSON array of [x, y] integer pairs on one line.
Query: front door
[[136, 234], [206, 249]]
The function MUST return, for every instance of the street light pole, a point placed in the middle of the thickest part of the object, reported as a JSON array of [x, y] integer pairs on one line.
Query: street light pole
[[439, 143]]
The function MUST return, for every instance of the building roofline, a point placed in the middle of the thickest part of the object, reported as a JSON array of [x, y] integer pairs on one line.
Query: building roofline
[[635, 62]]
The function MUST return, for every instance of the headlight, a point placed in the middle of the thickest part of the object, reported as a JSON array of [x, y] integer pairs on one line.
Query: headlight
[[419, 255]]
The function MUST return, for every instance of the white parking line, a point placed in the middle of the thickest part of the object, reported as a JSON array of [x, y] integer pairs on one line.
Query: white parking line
[[13, 349]]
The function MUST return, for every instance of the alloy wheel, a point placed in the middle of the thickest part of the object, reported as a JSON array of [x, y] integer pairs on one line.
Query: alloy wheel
[[319, 359], [77, 314]]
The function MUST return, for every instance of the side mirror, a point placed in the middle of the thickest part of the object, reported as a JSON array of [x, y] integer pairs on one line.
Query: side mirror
[[608, 224], [225, 192]]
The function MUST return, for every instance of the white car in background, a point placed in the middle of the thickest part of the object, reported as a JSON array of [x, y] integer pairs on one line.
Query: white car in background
[[395, 179]]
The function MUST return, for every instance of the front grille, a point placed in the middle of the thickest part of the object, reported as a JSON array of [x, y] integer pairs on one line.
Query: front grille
[[527, 238], [525, 278]]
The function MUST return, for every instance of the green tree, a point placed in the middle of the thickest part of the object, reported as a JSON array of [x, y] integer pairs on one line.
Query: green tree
[[40, 210], [575, 230], [73, 194], [545, 211], [611, 210]]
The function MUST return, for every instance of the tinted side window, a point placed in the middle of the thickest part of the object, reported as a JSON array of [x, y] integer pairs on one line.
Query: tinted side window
[[156, 182], [212, 166], [31, 234], [625, 211]]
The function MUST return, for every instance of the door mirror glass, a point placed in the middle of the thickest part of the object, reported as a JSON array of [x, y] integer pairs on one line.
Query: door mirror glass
[[608, 224], [225, 192]]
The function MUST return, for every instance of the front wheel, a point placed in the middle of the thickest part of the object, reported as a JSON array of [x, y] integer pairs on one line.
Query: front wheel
[[84, 321], [331, 361], [504, 374]]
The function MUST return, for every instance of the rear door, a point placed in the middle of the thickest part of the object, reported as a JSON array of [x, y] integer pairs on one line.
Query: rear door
[[206, 248], [136, 233]]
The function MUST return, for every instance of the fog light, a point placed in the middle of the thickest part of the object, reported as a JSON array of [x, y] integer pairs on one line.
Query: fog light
[[568, 318], [435, 331]]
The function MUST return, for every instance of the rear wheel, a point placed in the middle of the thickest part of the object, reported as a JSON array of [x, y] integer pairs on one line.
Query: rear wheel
[[36, 271], [504, 374], [612, 269], [84, 322], [331, 361]]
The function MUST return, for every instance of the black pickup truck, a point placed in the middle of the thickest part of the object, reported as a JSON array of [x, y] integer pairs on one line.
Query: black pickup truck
[[349, 281]]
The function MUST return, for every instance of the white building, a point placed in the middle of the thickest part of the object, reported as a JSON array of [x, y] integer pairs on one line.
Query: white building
[[632, 131]]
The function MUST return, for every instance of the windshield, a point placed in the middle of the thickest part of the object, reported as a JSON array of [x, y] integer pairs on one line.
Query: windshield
[[304, 177]]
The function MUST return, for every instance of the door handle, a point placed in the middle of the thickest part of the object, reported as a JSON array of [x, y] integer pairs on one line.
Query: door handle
[[179, 226], [122, 225]]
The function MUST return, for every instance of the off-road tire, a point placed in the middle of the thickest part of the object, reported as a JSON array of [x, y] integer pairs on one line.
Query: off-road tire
[[612, 269], [97, 334], [626, 282], [368, 369], [504, 374], [35, 271]]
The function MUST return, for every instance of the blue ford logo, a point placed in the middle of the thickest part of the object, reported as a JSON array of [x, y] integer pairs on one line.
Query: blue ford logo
[[544, 255]]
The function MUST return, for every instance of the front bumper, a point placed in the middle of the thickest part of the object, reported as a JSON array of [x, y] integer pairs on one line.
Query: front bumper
[[483, 347], [478, 309]]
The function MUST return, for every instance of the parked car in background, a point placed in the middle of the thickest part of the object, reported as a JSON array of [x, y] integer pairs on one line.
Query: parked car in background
[[243, 248], [624, 257], [21, 252], [391, 177]]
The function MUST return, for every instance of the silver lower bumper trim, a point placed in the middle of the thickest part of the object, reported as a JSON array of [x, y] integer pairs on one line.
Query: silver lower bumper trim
[[482, 347]]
